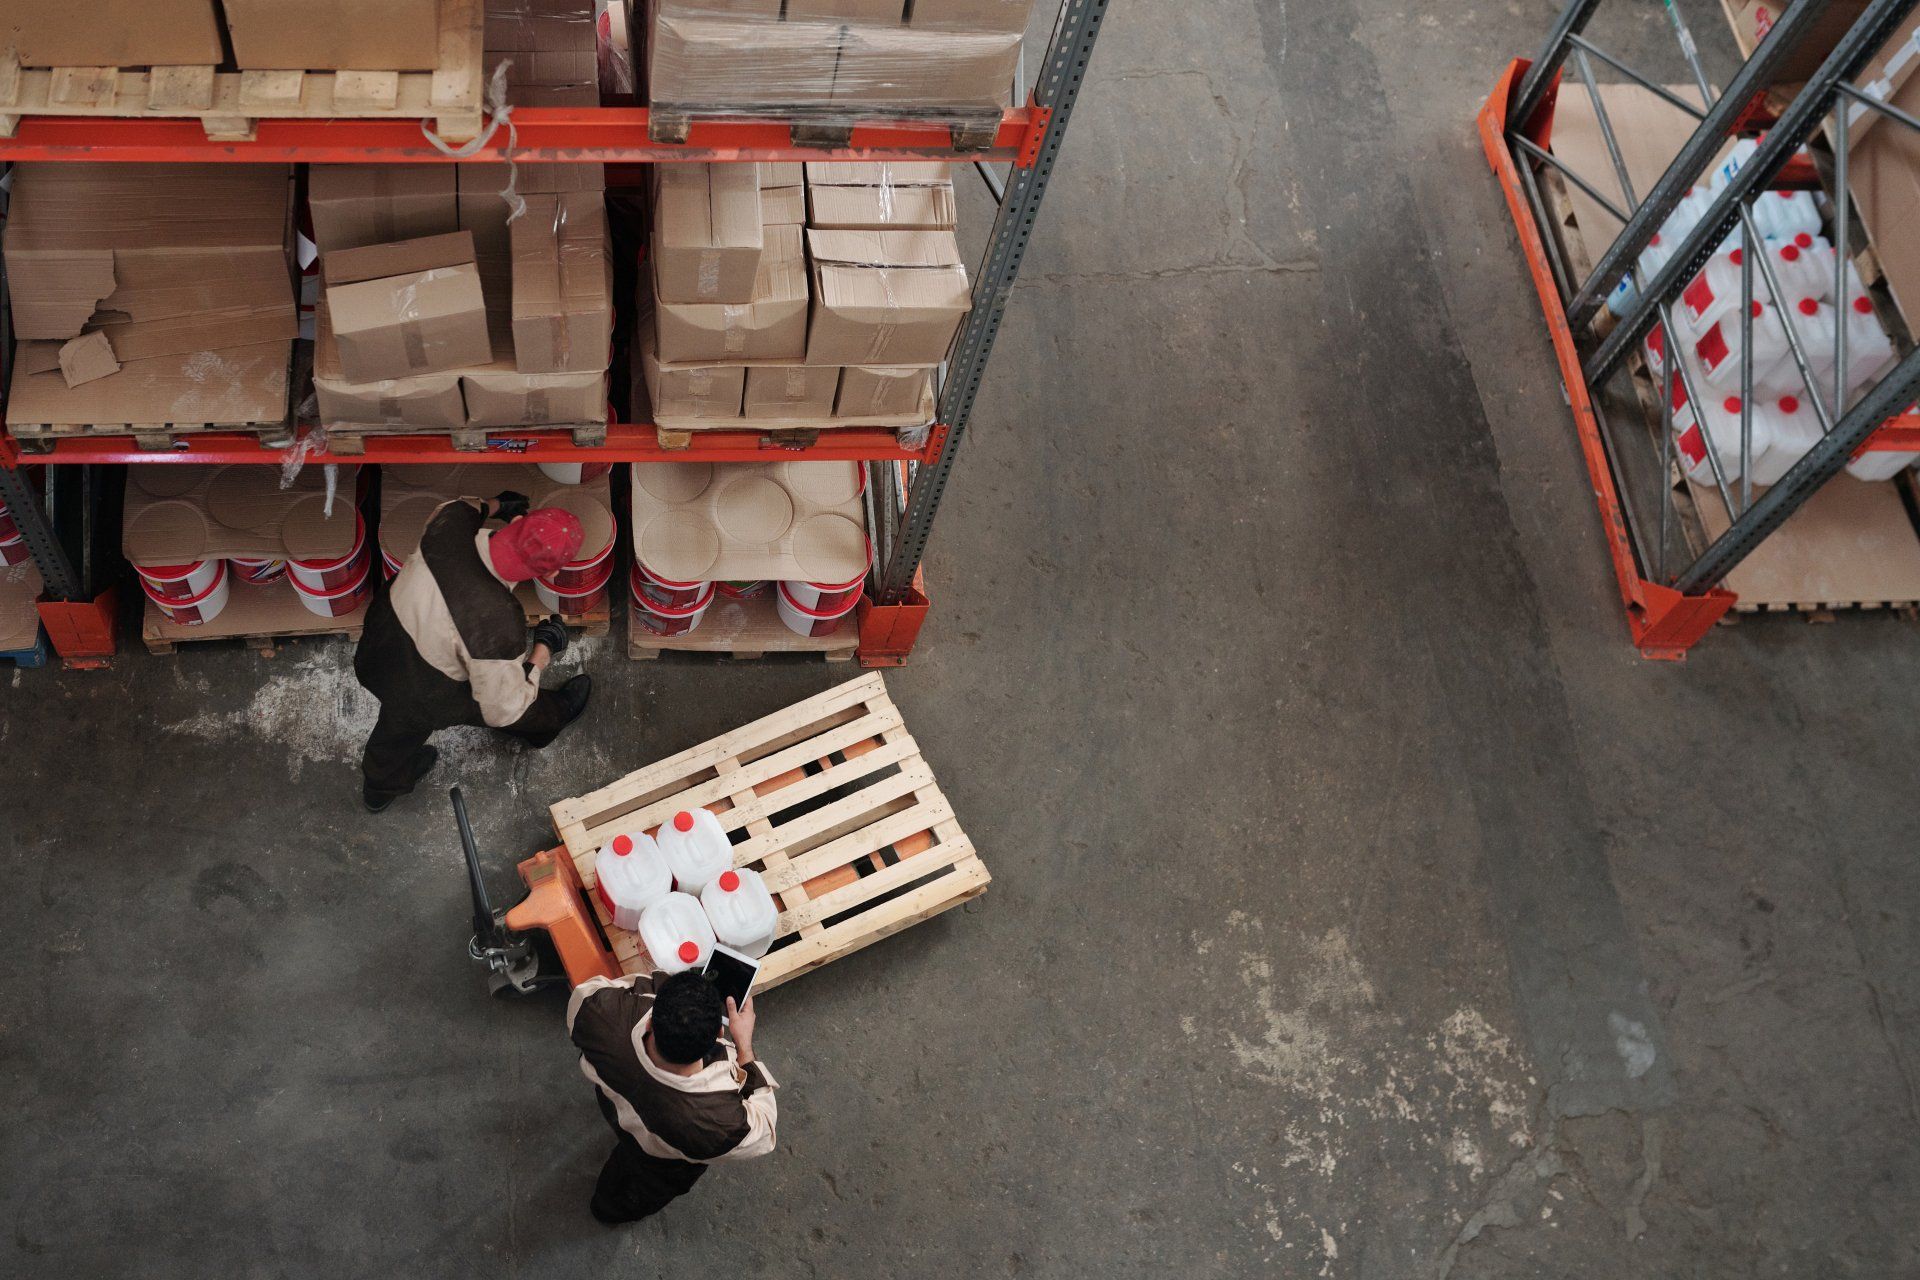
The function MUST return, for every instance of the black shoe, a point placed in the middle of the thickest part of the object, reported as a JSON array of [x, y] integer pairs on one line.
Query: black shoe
[[380, 801], [423, 764], [576, 691]]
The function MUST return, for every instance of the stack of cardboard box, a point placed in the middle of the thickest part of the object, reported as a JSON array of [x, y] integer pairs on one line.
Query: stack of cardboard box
[[870, 57], [151, 294], [821, 295], [266, 35]]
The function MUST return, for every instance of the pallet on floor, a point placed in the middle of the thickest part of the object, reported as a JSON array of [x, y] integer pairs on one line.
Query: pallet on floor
[[829, 800], [37, 654], [228, 104], [352, 440], [261, 615], [742, 629]]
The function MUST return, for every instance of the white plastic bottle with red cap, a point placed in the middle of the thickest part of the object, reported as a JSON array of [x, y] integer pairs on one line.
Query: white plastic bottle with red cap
[[676, 933], [743, 913], [1714, 293], [1719, 348], [1790, 428], [1804, 265], [697, 849], [1723, 425], [1814, 322], [1870, 352], [630, 875]]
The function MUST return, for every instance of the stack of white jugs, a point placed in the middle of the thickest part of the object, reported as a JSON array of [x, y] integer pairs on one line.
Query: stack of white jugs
[[1784, 424], [681, 892]]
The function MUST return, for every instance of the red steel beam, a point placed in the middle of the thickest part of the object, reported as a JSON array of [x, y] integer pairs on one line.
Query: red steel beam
[[609, 135]]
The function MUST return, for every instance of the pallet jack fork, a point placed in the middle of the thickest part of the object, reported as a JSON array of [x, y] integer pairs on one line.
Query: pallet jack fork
[[550, 939]]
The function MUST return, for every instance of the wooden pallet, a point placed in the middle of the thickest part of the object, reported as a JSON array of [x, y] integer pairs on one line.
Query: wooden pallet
[[742, 629], [972, 128], [260, 615], [352, 440], [229, 104], [876, 849], [596, 622], [153, 437], [38, 654]]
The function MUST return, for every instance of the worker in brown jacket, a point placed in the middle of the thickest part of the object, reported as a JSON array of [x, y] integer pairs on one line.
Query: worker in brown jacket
[[678, 1094], [445, 643]]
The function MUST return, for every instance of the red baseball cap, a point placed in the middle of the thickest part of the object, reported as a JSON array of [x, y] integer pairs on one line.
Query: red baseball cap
[[536, 544]]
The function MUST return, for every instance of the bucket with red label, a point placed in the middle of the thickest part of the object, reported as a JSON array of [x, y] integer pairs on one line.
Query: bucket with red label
[[746, 589], [668, 620], [664, 591], [337, 601], [574, 472], [324, 575], [200, 607], [831, 597], [580, 594], [14, 551], [805, 621], [180, 581], [258, 572], [577, 576]]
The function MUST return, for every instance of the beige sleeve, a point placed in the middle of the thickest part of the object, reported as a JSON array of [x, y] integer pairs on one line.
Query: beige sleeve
[[504, 688], [763, 1117]]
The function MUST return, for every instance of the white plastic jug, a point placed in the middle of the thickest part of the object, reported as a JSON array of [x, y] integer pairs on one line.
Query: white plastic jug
[[1742, 152], [741, 910], [1804, 265], [1781, 215], [1723, 424], [676, 933], [1719, 348], [697, 848], [631, 875], [1715, 292], [1790, 428], [1870, 352], [1882, 466], [1815, 322]]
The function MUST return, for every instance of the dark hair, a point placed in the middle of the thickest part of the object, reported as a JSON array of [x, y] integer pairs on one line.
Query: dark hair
[[686, 1017]]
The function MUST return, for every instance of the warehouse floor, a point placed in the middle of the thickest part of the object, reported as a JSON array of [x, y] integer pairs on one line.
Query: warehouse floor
[[1363, 905]]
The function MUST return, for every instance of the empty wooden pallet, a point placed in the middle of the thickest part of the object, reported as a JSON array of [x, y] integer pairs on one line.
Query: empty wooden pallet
[[830, 800]]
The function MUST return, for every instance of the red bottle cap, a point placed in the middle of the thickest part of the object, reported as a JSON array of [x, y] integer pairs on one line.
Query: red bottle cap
[[1656, 238], [1736, 257], [1863, 304], [1732, 404], [1809, 306], [1804, 240], [623, 845], [683, 822], [689, 952], [1759, 309], [1789, 254], [729, 881], [1790, 404]]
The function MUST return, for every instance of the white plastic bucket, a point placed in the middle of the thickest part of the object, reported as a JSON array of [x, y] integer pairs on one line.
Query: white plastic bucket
[[193, 610], [676, 933], [826, 597], [696, 847], [630, 875], [14, 551], [664, 591], [179, 581], [573, 577], [336, 602], [579, 599], [743, 589], [803, 621], [257, 571], [741, 910], [320, 576], [574, 472], [669, 620]]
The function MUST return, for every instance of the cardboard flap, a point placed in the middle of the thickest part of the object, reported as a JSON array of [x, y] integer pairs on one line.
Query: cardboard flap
[[877, 173], [407, 257], [910, 249]]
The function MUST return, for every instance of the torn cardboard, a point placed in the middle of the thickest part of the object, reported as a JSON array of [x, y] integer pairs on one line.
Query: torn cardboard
[[885, 297], [879, 196], [361, 204], [186, 512], [772, 326], [429, 401], [334, 35], [690, 391], [237, 386], [112, 33], [796, 521], [87, 358], [790, 391], [562, 285], [166, 259], [407, 308], [707, 234], [873, 392]]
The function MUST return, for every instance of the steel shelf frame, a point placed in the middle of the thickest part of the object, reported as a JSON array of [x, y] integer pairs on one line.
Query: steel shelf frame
[[1670, 610], [909, 480]]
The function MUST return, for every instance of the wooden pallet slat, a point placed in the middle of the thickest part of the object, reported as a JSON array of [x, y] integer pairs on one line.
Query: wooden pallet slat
[[865, 844]]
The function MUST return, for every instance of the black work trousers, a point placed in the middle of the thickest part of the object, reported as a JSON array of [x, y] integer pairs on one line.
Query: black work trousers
[[391, 762], [634, 1185]]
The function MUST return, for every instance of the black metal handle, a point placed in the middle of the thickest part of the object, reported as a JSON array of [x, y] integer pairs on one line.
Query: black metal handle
[[483, 925]]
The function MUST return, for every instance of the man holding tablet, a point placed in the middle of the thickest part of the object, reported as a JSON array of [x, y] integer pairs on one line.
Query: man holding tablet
[[679, 1094]]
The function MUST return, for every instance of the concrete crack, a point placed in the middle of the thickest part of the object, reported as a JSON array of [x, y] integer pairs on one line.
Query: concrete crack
[[1514, 1196], [1649, 1171], [1298, 266]]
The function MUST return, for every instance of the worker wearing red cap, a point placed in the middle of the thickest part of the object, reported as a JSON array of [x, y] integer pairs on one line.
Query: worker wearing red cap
[[446, 642]]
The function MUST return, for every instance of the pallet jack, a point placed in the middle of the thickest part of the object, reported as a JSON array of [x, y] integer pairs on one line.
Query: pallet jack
[[550, 939]]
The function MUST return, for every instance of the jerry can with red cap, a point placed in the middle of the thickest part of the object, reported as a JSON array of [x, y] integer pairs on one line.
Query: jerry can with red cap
[[697, 849], [630, 875], [741, 910], [676, 933]]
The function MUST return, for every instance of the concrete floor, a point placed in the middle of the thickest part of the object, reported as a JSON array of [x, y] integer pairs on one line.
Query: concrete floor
[[1363, 906]]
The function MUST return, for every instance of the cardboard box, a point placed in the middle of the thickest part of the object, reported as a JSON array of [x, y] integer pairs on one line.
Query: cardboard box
[[562, 285], [1006, 16], [361, 204], [549, 70], [925, 70], [181, 513], [701, 391], [791, 391], [112, 33], [238, 386], [783, 195], [867, 391], [498, 395], [521, 25], [773, 326], [20, 589], [1883, 167], [707, 234], [878, 12], [794, 521], [429, 401], [885, 297], [334, 35], [698, 60], [407, 308], [1754, 19], [880, 196], [167, 259]]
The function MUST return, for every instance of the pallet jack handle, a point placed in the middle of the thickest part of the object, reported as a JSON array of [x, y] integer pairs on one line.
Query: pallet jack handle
[[485, 926]]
